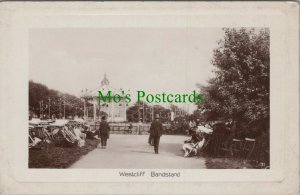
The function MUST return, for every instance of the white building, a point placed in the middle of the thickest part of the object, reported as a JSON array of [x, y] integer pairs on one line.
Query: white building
[[115, 112]]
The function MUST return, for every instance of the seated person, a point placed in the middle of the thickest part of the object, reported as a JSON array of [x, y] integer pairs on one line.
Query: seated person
[[195, 136]]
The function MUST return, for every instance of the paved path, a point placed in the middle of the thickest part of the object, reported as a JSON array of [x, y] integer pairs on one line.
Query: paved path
[[133, 151]]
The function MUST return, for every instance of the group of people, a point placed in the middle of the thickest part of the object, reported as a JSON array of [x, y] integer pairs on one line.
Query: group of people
[[214, 139], [156, 130]]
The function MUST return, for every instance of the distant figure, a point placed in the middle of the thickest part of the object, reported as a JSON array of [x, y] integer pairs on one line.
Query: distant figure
[[130, 128], [104, 132], [156, 130], [185, 125]]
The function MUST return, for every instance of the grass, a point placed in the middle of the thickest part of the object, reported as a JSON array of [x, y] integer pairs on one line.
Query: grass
[[234, 163], [227, 163], [51, 156]]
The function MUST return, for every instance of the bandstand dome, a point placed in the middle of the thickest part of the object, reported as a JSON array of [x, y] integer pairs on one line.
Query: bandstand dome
[[115, 112]]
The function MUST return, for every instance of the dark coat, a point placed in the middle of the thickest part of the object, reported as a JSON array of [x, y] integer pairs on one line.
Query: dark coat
[[156, 129], [104, 130]]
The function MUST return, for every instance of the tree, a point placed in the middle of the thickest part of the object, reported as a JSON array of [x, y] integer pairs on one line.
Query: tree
[[240, 88], [164, 113], [134, 112], [179, 113], [40, 98]]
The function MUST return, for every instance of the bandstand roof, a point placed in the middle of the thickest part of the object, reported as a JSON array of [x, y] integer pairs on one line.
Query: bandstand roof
[[105, 87]]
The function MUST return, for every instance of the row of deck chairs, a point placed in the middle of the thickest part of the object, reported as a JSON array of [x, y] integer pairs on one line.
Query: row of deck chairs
[[59, 132]]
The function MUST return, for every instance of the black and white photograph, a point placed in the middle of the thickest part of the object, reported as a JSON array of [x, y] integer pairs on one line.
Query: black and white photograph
[[70, 126], [149, 97]]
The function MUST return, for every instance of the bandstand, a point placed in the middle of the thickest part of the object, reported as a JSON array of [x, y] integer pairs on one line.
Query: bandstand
[[115, 112]]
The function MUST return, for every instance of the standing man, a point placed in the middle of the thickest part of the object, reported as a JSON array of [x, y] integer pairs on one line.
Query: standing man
[[155, 132], [104, 132]]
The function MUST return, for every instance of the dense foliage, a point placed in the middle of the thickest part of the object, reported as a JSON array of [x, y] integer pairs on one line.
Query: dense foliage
[[240, 89], [239, 92], [40, 98], [146, 112]]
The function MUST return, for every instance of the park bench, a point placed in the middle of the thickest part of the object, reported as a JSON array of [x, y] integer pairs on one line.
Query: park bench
[[242, 147]]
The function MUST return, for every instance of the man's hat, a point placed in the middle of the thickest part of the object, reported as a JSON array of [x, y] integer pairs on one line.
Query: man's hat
[[157, 116]]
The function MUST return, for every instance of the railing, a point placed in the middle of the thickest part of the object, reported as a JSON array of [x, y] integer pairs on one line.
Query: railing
[[123, 128], [137, 128]]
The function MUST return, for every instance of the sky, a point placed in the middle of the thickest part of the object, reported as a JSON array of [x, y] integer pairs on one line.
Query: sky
[[155, 60]]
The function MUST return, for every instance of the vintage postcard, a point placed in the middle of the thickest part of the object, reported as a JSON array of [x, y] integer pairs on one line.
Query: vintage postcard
[[149, 97]]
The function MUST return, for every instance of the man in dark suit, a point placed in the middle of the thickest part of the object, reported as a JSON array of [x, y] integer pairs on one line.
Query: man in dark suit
[[156, 130], [104, 132]]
